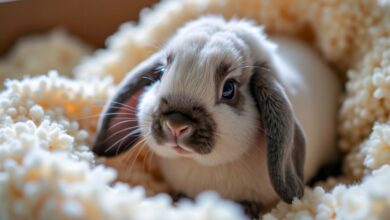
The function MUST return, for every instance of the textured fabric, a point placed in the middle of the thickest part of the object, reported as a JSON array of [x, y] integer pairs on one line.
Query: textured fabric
[[47, 123]]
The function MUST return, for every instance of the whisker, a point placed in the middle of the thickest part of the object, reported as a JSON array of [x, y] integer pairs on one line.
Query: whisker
[[104, 114], [128, 145], [136, 132], [122, 122], [134, 119], [237, 64], [124, 105], [129, 152], [126, 118], [127, 160], [120, 105], [262, 66], [150, 158], [125, 109], [144, 161], [142, 145], [117, 132], [220, 134], [122, 139], [256, 66]]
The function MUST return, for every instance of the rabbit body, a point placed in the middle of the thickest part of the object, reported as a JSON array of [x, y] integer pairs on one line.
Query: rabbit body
[[226, 110], [313, 90]]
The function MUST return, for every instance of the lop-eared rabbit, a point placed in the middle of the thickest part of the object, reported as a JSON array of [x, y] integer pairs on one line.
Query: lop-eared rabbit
[[226, 109]]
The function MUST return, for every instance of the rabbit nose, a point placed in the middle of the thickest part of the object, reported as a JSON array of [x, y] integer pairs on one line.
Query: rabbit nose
[[177, 130], [177, 124]]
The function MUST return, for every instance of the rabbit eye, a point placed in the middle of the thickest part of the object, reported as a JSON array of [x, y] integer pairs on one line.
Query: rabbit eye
[[160, 70], [229, 89]]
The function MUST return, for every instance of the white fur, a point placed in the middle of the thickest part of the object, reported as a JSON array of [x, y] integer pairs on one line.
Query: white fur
[[314, 92], [236, 167]]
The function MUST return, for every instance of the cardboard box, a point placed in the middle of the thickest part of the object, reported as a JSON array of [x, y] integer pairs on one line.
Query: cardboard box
[[90, 20]]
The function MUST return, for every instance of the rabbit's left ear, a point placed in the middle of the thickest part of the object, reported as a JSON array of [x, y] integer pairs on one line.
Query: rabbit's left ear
[[128, 92], [285, 139]]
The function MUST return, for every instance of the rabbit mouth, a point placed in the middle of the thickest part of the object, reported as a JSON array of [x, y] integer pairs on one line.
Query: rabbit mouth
[[182, 150]]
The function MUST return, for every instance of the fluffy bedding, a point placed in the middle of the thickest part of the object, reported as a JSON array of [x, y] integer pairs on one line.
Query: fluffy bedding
[[48, 122]]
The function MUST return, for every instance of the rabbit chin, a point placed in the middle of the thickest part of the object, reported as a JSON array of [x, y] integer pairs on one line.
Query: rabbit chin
[[236, 133], [212, 159], [222, 153]]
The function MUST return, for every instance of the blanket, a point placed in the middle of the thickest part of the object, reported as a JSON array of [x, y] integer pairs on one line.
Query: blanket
[[48, 122]]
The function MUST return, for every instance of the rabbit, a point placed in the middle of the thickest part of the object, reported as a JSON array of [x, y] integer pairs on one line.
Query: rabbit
[[227, 109]]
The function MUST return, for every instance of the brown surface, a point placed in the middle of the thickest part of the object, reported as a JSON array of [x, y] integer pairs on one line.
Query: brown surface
[[92, 20]]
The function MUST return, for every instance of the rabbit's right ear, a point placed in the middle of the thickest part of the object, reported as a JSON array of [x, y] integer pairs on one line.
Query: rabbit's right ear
[[112, 139], [285, 139]]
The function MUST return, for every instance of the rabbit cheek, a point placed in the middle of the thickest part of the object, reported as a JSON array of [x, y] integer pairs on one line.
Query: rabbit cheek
[[157, 130]]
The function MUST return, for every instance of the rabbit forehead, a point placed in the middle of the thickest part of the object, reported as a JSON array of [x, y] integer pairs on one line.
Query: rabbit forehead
[[211, 27], [209, 47], [197, 59], [189, 77]]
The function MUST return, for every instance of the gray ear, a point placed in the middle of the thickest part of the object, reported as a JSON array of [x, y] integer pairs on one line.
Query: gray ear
[[285, 140], [141, 76]]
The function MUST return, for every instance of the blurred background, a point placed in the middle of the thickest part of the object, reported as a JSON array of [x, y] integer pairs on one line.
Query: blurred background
[[90, 20]]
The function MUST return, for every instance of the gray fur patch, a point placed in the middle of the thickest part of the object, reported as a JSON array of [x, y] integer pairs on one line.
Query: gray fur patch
[[202, 137], [237, 103], [285, 140]]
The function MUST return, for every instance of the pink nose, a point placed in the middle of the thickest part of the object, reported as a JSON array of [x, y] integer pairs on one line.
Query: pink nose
[[177, 130]]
